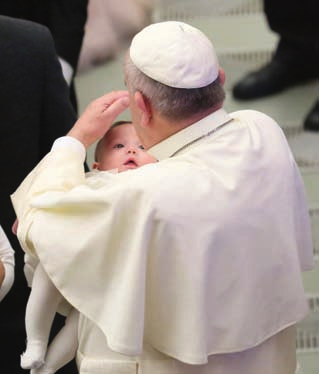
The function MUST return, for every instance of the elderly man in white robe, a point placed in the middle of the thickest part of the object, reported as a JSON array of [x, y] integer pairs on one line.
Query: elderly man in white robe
[[189, 265]]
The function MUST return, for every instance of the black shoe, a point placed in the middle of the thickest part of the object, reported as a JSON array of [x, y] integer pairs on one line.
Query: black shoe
[[312, 119], [272, 78]]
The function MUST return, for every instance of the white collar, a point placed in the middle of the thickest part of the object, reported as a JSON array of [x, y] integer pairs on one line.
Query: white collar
[[170, 146]]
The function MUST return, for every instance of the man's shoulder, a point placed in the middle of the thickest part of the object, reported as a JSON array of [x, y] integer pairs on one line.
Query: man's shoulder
[[23, 32], [251, 114], [261, 120]]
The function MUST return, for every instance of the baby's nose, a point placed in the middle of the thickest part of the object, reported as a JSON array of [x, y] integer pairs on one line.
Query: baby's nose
[[131, 150]]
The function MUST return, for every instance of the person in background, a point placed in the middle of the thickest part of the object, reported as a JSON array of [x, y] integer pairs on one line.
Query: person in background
[[109, 28], [172, 265], [296, 59], [6, 264], [66, 21], [35, 109]]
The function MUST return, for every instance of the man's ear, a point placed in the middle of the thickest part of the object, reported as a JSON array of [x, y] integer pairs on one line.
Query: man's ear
[[95, 165], [222, 76], [144, 105]]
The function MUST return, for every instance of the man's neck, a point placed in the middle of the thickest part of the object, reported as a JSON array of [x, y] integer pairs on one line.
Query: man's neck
[[163, 128]]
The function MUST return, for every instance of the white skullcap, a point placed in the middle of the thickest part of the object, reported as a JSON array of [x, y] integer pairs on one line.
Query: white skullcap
[[175, 54]]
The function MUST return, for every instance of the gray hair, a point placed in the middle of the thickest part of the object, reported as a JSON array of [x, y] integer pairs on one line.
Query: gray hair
[[174, 103]]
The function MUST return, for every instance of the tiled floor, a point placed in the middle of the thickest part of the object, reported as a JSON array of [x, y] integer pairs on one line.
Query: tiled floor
[[243, 43]]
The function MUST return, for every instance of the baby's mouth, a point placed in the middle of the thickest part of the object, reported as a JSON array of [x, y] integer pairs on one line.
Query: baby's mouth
[[130, 162]]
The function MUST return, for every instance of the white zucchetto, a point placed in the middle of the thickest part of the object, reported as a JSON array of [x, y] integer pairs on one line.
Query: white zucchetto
[[175, 54]]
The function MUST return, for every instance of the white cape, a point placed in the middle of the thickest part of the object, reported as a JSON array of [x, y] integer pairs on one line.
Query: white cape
[[207, 262]]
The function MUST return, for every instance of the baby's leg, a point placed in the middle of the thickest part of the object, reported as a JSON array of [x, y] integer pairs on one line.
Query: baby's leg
[[41, 308], [63, 347]]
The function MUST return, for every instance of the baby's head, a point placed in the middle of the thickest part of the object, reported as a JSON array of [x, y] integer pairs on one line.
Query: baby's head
[[121, 149]]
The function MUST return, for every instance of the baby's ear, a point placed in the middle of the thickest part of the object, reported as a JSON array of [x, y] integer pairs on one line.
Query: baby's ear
[[95, 165]]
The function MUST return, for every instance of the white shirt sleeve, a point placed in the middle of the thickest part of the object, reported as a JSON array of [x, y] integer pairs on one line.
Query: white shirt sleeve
[[68, 142], [7, 258], [67, 70]]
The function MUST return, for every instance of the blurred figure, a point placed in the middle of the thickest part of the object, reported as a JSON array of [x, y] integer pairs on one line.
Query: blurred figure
[[35, 109], [66, 21], [296, 59], [110, 26]]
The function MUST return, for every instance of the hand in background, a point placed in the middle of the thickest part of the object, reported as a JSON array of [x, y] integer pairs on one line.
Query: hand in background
[[15, 226], [2, 272]]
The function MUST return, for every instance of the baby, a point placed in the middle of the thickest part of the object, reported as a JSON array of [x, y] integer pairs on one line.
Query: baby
[[119, 150]]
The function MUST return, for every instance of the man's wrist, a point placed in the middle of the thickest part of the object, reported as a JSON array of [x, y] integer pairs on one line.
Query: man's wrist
[[79, 136]]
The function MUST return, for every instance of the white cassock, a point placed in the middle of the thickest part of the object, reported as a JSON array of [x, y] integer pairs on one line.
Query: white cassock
[[198, 256]]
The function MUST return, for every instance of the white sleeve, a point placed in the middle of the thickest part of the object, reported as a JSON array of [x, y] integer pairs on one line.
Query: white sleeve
[[69, 143], [67, 70], [7, 258]]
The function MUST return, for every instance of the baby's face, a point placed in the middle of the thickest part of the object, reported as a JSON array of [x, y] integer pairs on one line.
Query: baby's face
[[122, 150]]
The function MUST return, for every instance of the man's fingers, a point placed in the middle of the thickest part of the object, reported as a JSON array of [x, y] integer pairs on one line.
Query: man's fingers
[[117, 107], [98, 117], [110, 98]]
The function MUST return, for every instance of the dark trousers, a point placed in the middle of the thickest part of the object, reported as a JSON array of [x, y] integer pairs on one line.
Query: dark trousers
[[296, 23]]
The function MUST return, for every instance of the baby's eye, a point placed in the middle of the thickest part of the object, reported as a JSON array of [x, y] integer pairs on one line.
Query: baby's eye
[[141, 147], [119, 145]]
